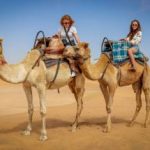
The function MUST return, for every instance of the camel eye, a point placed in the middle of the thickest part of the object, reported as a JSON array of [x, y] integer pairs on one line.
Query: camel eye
[[77, 48]]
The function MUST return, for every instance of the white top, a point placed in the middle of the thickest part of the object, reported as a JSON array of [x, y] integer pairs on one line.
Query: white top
[[136, 39], [71, 33]]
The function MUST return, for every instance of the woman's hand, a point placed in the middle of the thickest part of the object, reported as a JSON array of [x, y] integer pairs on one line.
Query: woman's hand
[[123, 39]]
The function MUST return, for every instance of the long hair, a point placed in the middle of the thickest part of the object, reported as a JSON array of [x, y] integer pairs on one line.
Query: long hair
[[133, 32]]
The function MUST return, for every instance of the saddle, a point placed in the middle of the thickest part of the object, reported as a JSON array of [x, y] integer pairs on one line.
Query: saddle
[[53, 53], [117, 53]]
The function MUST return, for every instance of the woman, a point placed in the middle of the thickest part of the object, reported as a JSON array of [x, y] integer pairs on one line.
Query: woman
[[69, 36], [68, 33], [134, 37]]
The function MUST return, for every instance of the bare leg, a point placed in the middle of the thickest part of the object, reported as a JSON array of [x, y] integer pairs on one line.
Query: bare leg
[[28, 92], [73, 65], [131, 51], [147, 99], [138, 102], [42, 96], [77, 87]]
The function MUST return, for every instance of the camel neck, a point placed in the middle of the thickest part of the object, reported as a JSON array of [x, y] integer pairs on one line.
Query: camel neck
[[16, 73], [94, 71]]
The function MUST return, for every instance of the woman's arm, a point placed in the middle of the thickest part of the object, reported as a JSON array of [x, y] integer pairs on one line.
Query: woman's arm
[[137, 38], [76, 37]]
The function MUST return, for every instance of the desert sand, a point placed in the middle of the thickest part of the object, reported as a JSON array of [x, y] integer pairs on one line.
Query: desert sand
[[61, 110]]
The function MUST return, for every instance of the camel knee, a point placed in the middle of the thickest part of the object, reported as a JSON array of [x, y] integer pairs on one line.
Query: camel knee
[[43, 112], [30, 111], [108, 109], [79, 90], [138, 107]]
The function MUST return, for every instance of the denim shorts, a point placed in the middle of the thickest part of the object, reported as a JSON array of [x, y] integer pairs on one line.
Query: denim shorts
[[136, 47]]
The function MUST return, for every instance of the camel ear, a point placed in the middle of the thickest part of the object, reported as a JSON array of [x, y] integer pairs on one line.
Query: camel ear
[[85, 45], [55, 36]]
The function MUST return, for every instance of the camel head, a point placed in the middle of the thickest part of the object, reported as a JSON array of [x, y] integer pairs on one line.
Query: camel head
[[56, 43], [79, 52]]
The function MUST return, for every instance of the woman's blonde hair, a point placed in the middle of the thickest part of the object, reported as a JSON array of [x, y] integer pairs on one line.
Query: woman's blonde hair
[[67, 17]]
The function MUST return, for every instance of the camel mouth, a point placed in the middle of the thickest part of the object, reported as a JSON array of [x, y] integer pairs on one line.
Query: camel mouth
[[3, 61]]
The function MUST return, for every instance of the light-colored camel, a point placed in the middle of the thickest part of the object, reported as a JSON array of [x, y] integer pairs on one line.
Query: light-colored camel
[[109, 78], [40, 78]]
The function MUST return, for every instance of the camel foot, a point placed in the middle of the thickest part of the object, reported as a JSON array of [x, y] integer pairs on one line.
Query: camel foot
[[43, 137], [26, 132], [106, 129], [74, 128], [131, 124]]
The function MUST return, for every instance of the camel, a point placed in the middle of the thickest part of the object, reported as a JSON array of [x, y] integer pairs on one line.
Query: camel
[[30, 73], [109, 79]]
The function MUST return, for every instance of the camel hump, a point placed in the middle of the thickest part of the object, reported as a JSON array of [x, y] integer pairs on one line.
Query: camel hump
[[127, 77]]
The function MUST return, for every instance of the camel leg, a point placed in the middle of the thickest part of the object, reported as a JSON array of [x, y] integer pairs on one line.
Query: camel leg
[[109, 103], [147, 99], [104, 92], [138, 91], [28, 92], [77, 87], [42, 97]]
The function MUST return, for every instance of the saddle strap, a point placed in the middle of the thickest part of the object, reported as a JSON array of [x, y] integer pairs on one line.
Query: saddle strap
[[53, 51], [57, 69]]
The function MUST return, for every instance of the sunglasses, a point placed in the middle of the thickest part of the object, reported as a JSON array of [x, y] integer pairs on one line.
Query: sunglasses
[[134, 24], [66, 23]]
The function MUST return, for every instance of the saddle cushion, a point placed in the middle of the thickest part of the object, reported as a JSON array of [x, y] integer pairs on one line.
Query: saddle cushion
[[120, 52]]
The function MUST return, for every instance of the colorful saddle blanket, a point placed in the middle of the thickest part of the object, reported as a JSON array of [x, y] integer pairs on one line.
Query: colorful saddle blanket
[[119, 51]]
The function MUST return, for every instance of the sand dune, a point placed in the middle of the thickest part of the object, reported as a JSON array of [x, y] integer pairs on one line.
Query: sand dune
[[61, 110]]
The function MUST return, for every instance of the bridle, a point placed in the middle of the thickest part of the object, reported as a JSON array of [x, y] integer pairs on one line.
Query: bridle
[[77, 57]]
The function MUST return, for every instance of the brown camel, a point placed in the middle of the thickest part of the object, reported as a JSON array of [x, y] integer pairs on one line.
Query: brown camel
[[40, 77], [110, 77]]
